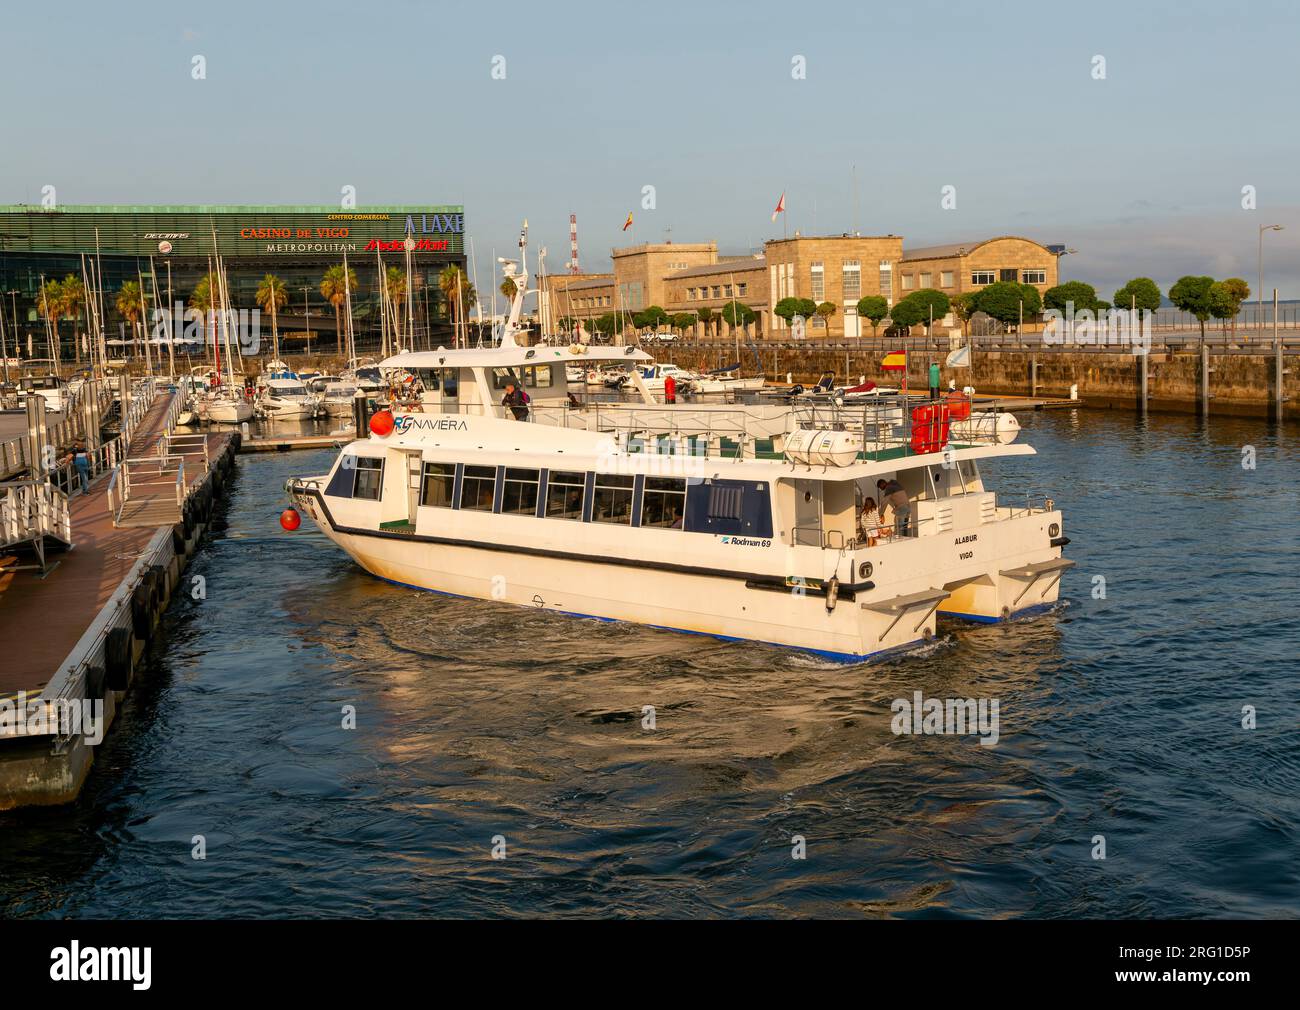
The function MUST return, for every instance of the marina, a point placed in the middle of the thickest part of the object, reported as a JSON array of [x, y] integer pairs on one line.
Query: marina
[[667, 484]]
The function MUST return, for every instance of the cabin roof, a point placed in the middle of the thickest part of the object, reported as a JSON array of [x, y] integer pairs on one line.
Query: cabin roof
[[574, 449], [502, 357]]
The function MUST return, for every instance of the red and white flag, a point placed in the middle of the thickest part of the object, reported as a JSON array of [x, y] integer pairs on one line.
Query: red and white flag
[[780, 207]]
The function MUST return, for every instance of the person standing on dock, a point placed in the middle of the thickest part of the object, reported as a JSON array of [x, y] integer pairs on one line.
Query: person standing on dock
[[81, 460], [934, 380]]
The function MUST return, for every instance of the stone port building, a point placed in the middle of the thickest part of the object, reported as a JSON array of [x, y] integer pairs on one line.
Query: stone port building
[[840, 269]]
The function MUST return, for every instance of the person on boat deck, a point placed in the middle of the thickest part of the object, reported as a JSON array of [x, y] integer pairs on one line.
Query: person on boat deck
[[934, 380], [869, 522], [892, 493], [517, 400], [676, 524]]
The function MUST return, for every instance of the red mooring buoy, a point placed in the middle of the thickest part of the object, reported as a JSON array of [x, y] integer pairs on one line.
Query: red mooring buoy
[[290, 519], [381, 423]]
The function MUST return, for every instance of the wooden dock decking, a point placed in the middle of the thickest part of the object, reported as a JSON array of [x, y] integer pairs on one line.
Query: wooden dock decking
[[43, 619]]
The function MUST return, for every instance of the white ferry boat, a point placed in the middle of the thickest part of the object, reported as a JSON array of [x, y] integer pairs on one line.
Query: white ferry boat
[[747, 538]]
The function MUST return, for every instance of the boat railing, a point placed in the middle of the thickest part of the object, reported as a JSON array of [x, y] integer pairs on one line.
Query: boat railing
[[1036, 503]]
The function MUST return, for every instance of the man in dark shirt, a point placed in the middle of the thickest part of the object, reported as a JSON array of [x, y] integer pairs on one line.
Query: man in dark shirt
[[517, 400], [892, 492]]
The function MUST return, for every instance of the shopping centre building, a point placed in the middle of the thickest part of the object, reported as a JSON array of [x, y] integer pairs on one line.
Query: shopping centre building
[[172, 248], [840, 269]]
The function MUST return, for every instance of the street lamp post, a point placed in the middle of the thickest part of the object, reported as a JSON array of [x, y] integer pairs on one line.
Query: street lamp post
[[1259, 292]]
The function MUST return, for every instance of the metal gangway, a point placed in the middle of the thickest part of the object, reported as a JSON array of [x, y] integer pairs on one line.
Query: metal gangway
[[34, 516], [150, 489]]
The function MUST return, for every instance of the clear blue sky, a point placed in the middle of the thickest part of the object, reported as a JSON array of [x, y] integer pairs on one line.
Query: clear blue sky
[[1141, 172]]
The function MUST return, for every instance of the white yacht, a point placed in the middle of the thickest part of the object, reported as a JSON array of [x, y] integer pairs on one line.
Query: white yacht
[[752, 538], [284, 399], [224, 405]]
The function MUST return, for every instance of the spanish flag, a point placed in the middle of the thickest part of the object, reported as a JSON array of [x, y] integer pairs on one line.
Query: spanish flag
[[628, 223], [894, 361]]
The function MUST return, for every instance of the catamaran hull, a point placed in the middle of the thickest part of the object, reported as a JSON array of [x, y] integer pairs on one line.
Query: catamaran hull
[[850, 624]]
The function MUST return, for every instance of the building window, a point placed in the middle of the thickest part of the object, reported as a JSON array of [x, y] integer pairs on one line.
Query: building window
[[726, 291], [439, 480], [478, 488], [818, 283], [908, 282], [923, 280], [663, 502], [886, 280], [982, 277], [716, 291], [945, 278], [564, 493], [370, 478], [519, 492], [1033, 276], [1009, 274], [612, 498], [690, 294], [852, 280], [742, 289]]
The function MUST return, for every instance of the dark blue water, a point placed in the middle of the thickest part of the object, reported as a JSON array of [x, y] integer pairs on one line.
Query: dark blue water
[[1120, 717]]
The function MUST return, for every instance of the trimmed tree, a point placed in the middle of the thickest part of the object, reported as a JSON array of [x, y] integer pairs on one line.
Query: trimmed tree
[[824, 312], [1226, 298], [907, 313], [682, 321], [932, 304], [964, 307], [1192, 294], [1003, 299], [737, 314], [706, 317], [874, 308], [1141, 292], [1076, 293]]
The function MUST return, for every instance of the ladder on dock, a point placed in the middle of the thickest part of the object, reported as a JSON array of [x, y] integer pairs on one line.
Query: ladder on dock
[[34, 516]]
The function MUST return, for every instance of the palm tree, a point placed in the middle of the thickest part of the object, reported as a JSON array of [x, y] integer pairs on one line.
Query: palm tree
[[272, 296], [128, 304], [203, 298], [456, 289], [395, 283], [72, 299], [50, 305], [334, 288], [509, 288]]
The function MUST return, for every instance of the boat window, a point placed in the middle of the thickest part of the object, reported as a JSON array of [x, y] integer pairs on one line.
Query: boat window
[[478, 488], [500, 376], [612, 498], [450, 383], [370, 478], [663, 502], [519, 492], [439, 480], [541, 376], [428, 378], [564, 492]]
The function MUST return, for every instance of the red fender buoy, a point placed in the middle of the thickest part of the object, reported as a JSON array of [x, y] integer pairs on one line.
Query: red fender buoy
[[381, 423], [290, 519]]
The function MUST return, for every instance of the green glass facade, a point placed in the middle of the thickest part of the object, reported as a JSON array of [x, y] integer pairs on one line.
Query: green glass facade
[[172, 247]]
